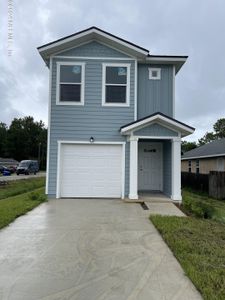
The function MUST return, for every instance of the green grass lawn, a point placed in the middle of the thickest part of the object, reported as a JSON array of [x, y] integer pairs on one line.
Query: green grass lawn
[[191, 200], [199, 246], [18, 197], [17, 187], [13, 207]]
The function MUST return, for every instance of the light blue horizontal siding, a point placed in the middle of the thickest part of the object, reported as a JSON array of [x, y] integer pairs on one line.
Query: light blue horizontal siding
[[93, 49], [167, 168], [155, 95], [155, 130], [79, 123]]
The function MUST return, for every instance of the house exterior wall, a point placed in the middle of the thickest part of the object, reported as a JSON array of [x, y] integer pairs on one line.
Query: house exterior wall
[[205, 165], [95, 49], [155, 130], [166, 163], [79, 123], [155, 95], [167, 167]]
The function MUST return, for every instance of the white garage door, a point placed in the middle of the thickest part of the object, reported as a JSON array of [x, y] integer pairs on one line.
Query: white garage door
[[91, 170]]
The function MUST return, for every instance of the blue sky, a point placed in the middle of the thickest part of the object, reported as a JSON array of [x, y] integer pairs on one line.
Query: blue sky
[[187, 27]]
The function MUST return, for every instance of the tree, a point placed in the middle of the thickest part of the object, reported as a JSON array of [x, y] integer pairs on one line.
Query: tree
[[187, 146], [207, 138], [3, 139], [25, 138], [219, 128]]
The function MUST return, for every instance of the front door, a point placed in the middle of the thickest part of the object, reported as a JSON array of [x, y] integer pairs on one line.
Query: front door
[[150, 166]]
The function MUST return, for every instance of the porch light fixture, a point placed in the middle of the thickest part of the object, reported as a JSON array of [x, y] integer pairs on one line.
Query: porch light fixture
[[91, 139]]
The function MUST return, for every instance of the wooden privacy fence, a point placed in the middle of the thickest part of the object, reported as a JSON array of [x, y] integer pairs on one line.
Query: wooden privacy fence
[[199, 182], [217, 184], [212, 183]]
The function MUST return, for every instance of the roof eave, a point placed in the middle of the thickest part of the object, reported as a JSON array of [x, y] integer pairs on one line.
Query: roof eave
[[92, 33], [184, 130], [177, 61]]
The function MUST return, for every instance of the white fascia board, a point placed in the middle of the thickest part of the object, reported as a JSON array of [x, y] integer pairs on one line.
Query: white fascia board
[[203, 156], [93, 31], [174, 124], [166, 59]]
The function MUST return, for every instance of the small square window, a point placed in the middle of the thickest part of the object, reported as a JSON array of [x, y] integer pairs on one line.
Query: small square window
[[154, 73]]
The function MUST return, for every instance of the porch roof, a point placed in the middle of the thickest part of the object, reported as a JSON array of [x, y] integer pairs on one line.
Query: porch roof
[[158, 118]]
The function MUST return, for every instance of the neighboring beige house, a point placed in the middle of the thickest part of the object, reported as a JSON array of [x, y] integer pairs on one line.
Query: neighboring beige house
[[206, 158]]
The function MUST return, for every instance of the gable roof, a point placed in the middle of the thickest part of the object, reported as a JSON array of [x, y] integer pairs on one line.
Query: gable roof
[[161, 119], [91, 33], [215, 148], [91, 30], [95, 33]]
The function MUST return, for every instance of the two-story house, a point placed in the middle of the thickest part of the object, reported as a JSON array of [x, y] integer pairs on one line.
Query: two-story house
[[112, 128]]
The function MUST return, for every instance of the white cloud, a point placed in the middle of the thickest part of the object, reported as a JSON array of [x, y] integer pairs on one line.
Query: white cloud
[[186, 27]]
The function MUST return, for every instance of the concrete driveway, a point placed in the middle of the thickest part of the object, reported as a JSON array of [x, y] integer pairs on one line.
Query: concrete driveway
[[88, 249]]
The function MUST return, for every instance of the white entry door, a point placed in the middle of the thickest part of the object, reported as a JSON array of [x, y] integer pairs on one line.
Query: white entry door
[[91, 170], [150, 167]]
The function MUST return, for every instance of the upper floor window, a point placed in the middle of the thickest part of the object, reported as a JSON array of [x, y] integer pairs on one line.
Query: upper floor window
[[154, 73], [70, 83], [116, 84]]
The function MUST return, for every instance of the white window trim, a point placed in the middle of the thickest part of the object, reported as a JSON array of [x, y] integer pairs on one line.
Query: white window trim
[[104, 65], [69, 63], [158, 70]]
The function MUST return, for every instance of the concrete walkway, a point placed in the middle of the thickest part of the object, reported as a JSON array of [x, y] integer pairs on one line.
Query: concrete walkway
[[88, 249]]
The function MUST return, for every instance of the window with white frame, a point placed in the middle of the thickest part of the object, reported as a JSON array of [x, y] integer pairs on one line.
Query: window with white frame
[[189, 166], [197, 166], [116, 84], [70, 83], [154, 73]]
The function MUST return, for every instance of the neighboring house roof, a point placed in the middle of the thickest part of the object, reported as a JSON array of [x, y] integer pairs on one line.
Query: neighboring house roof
[[159, 118], [95, 33], [213, 149]]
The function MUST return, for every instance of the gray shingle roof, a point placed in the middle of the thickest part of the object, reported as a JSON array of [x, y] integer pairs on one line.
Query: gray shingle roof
[[214, 148]]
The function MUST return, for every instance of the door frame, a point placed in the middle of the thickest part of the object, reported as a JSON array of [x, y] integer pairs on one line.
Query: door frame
[[59, 161], [161, 158]]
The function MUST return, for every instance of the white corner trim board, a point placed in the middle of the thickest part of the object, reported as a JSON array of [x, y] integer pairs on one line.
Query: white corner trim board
[[135, 89], [118, 154], [49, 125]]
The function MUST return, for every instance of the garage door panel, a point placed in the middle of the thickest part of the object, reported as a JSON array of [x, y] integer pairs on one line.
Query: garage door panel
[[91, 170]]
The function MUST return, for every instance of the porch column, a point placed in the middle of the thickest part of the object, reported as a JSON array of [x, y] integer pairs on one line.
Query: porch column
[[133, 167], [176, 170]]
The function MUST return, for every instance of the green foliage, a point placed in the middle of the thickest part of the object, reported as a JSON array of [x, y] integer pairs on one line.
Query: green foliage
[[219, 132], [199, 246], [21, 186], [36, 196], [207, 138], [187, 146], [13, 207], [200, 205], [198, 208], [3, 139], [219, 128], [22, 139]]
